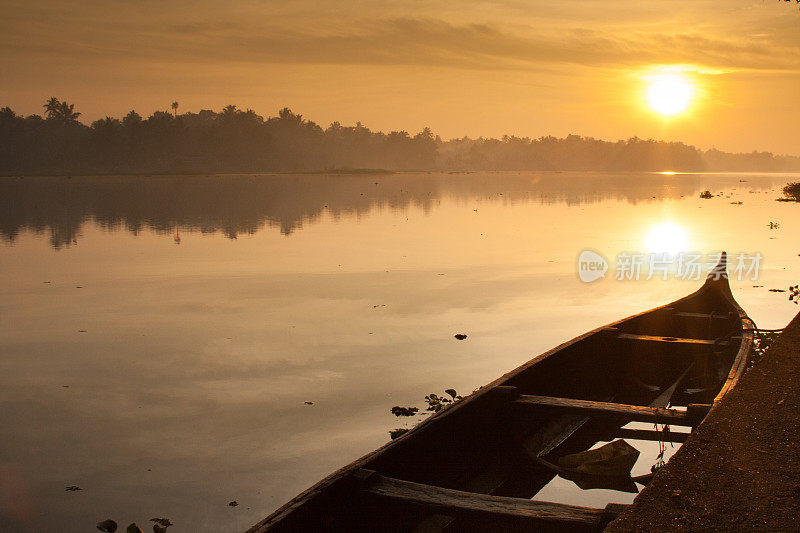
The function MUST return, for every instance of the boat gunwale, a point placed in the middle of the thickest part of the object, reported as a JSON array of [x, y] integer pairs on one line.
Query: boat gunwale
[[720, 284], [748, 327]]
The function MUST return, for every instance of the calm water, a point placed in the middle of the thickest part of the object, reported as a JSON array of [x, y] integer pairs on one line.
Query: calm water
[[159, 336]]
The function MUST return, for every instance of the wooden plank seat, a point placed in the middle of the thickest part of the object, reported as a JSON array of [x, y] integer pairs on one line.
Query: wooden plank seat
[[455, 502], [674, 340], [714, 316], [651, 435], [639, 413]]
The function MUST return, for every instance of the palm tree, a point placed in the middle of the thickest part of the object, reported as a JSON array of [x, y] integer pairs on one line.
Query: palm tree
[[287, 115], [6, 113], [67, 112], [61, 111], [229, 110], [132, 119], [174, 107], [51, 107]]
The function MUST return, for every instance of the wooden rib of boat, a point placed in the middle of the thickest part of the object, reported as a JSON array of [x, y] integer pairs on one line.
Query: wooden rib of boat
[[478, 464]]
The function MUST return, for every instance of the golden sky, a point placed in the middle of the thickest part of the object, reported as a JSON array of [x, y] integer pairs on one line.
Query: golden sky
[[474, 68]]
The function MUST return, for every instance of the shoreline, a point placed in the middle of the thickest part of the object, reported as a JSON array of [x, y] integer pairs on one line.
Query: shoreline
[[378, 171]]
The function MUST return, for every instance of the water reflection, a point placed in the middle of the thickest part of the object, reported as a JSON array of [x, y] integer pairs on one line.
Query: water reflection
[[243, 204], [667, 237], [188, 367]]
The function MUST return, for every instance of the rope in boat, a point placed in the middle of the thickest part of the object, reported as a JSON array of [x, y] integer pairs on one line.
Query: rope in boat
[[762, 339]]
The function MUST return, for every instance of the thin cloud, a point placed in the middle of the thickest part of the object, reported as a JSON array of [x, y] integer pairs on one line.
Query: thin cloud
[[399, 41]]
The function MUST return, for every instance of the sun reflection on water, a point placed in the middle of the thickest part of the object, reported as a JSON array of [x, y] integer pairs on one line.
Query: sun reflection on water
[[666, 237]]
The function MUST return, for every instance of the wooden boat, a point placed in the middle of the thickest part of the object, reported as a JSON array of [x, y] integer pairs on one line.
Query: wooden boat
[[478, 464]]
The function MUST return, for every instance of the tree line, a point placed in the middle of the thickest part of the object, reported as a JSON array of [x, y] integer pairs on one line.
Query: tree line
[[235, 140]]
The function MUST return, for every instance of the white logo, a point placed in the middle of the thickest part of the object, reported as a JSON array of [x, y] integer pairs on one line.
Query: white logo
[[591, 266]]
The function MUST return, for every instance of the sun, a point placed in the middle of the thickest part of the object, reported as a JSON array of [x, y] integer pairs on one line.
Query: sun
[[669, 93]]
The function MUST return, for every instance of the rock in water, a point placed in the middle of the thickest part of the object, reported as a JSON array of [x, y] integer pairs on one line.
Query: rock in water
[[612, 459], [109, 526]]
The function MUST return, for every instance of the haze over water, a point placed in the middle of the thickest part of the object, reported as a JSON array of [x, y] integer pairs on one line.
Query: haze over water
[[159, 336]]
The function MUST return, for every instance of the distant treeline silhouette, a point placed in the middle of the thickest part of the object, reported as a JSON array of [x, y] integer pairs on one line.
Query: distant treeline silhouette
[[242, 141]]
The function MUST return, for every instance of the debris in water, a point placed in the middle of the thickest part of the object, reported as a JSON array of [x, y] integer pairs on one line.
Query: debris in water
[[394, 433], [706, 194], [308, 403], [792, 191], [777, 290], [133, 528], [460, 336], [73, 488], [81, 331], [161, 524], [109, 526], [436, 403], [404, 411], [234, 503], [379, 305]]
